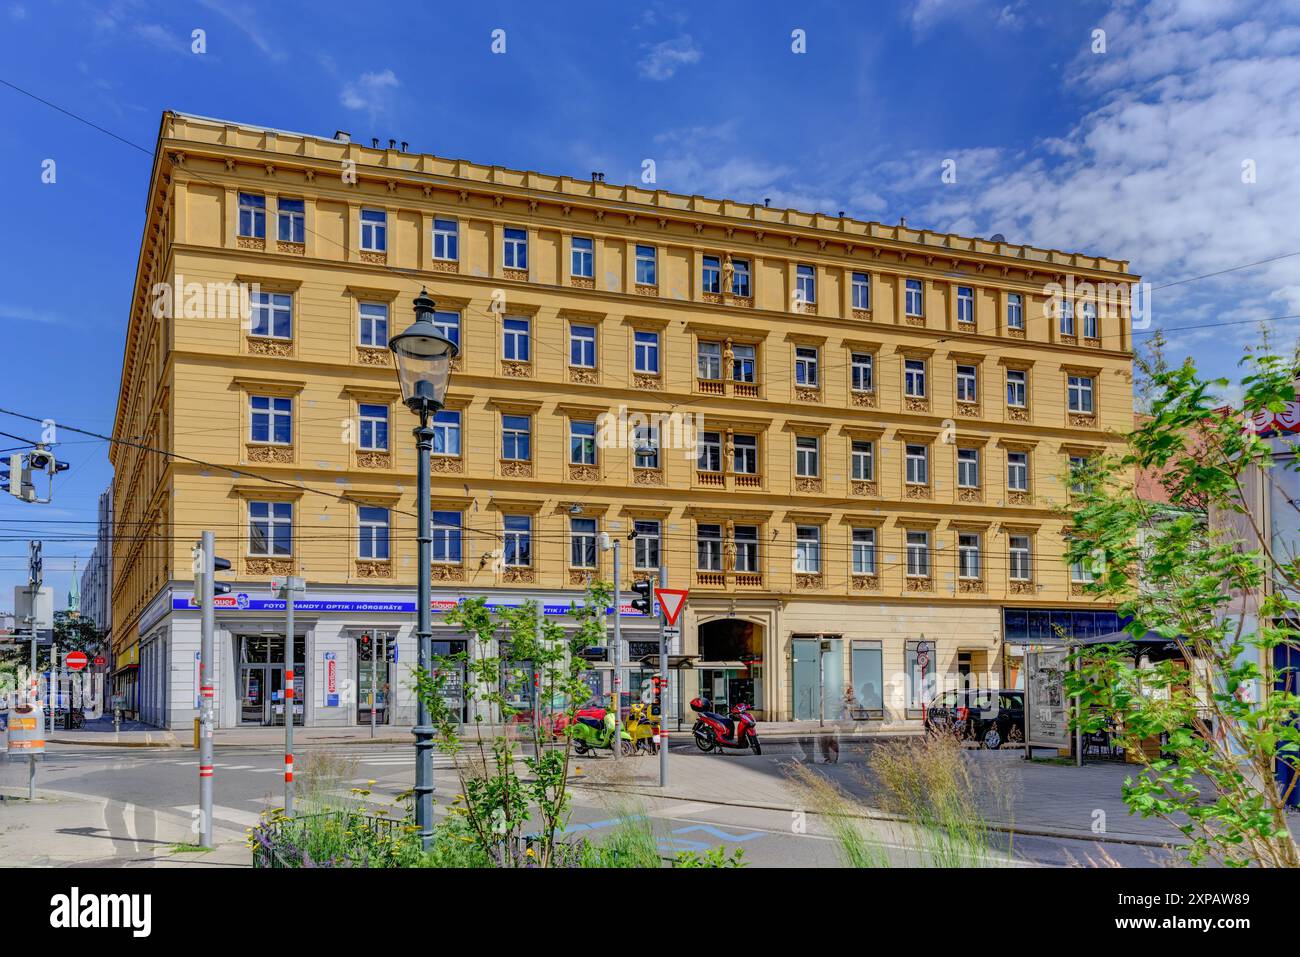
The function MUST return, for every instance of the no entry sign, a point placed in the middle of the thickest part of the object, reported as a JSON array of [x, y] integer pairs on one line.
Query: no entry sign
[[100, 661], [75, 660]]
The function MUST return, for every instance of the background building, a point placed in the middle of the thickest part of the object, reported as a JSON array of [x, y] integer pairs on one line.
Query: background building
[[886, 419], [97, 578]]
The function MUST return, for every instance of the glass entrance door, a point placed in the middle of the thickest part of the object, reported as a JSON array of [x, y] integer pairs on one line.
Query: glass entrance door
[[252, 694], [261, 679]]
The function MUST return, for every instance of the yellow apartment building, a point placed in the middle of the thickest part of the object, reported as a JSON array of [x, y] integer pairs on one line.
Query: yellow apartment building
[[863, 434]]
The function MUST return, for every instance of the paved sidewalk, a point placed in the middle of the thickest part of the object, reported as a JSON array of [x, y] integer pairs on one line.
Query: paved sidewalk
[[62, 829]]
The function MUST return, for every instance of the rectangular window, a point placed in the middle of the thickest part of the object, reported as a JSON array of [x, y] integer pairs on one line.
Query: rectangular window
[[1089, 310], [864, 551], [582, 443], [806, 455], [1080, 393], [708, 548], [582, 542], [374, 324], [805, 284], [252, 215], [647, 258], [808, 548], [1021, 557], [374, 230], [745, 538], [744, 456], [740, 278], [914, 378], [709, 360], [743, 367], [1081, 573], [1067, 316], [1015, 311], [583, 262], [965, 304], [446, 433], [968, 468], [272, 420], [447, 325], [918, 464], [291, 216], [711, 279], [517, 546], [1017, 389], [582, 346], [1018, 471], [645, 356], [516, 438], [864, 467], [868, 673], [646, 447], [515, 344], [861, 291], [272, 315], [967, 384], [1078, 469], [446, 239], [446, 534], [270, 528], [646, 551], [805, 366], [913, 303], [861, 372], [918, 554], [709, 452], [374, 427], [372, 525], [968, 555], [514, 248]]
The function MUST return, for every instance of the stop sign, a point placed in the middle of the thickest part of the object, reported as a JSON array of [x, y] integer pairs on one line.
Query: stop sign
[[76, 660]]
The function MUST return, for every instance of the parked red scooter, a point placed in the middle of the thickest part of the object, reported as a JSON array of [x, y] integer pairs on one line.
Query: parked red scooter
[[714, 731]]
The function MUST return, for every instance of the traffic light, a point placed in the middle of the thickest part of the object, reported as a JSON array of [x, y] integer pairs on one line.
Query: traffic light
[[641, 601], [202, 587], [11, 474], [367, 648], [220, 565]]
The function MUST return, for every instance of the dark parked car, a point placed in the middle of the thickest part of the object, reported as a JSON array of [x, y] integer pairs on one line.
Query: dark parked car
[[992, 718]]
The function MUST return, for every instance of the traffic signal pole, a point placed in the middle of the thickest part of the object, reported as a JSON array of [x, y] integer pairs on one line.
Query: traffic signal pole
[[617, 656], [207, 618], [663, 684]]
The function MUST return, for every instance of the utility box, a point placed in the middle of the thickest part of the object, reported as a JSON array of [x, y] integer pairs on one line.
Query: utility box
[[37, 605]]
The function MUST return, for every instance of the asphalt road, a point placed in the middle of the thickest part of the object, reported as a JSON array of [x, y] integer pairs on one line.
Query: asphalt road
[[249, 780]]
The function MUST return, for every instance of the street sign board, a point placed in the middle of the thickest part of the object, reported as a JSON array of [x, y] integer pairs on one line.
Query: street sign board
[[672, 634], [100, 661], [75, 660], [671, 600]]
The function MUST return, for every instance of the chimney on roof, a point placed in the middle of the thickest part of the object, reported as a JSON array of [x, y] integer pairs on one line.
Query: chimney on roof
[[343, 136], [374, 142], [902, 220], [392, 144], [597, 177], [405, 145], [767, 200]]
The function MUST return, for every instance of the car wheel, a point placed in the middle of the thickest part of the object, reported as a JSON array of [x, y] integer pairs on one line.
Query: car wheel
[[992, 738]]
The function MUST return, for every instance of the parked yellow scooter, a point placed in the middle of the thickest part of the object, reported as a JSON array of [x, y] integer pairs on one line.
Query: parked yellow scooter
[[643, 727]]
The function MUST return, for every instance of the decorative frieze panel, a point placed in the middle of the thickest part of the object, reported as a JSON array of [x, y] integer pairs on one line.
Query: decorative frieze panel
[[969, 410], [863, 400], [374, 256], [446, 465], [512, 369], [920, 584], [520, 275], [1019, 498], [274, 454], [440, 572], [268, 566], [860, 487], [1022, 588], [644, 290], [583, 376], [803, 393], [1015, 333], [914, 320], [252, 242], [970, 495], [584, 473], [279, 348], [368, 356], [291, 249], [366, 568], [513, 469], [519, 576], [1083, 420], [807, 581], [918, 492], [581, 577], [644, 380], [808, 484], [1016, 413], [374, 460], [444, 265], [971, 586], [865, 582], [713, 297], [863, 314], [582, 282], [647, 476]]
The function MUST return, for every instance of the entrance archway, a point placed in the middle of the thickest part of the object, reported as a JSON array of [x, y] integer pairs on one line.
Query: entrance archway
[[730, 666]]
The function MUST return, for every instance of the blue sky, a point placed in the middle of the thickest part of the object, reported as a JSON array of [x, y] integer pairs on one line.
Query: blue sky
[[1136, 152]]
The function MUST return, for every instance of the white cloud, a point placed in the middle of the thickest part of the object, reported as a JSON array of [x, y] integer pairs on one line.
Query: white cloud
[[663, 59], [244, 17], [372, 92], [11, 313]]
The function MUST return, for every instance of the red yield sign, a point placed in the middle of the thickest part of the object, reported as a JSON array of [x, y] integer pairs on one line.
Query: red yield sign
[[75, 660], [672, 601]]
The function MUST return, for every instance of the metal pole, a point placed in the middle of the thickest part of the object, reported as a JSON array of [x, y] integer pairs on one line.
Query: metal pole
[[616, 656], [537, 681], [424, 635], [53, 684], [821, 683], [663, 677], [1078, 727], [374, 677], [289, 697], [208, 620]]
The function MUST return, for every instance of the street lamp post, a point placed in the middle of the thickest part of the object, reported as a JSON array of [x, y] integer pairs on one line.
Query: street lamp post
[[423, 358]]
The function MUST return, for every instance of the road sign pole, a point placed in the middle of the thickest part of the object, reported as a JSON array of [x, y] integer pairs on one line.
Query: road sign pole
[[290, 587], [208, 621], [617, 654], [374, 677], [53, 684], [663, 683]]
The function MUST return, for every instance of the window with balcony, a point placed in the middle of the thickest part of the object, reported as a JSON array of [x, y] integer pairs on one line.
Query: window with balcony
[[711, 278], [647, 271], [967, 383], [646, 543], [965, 304], [968, 468], [743, 363], [863, 461], [1079, 391], [373, 420], [708, 547], [515, 339], [446, 433], [271, 419], [446, 533], [864, 551], [582, 442], [517, 541], [862, 372], [514, 253], [861, 291], [745, 538], [744, 454], [918, 554], [805, 285], [645, 356], [1017, 388], [582, 346], [374, 230], [808, 549], [374, 324], [1018, 471], [291, 219], [270, 529], [740, 278], [516, 438], [1020, 556], [917, 464], [914, 378], [968, 555], [583, 257], [805, 366], [252, 215], [807, 456], [582, 542], [372, 528], [709, 457], [446, 240], [709, 360], [913, 299], [272, 315]]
